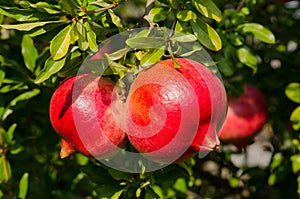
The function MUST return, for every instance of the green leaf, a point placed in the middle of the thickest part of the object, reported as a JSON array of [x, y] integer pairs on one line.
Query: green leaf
[[5, 169], [146, 42], [2, 106], [119, 175], [157, 14], [41, 6], [226, 67], [29, 52], [208, 9], [69, 6], [2, 76], [206, 35], [181, 37], [1, 18], [51, 67], [292, 91], [258, 31], [186, 15], [295, 118], [28, 26], [9, 135], [91, 37], [60, 43], [81, 31], [23, 97], [26, 15], [246, 57], [152, 57], [115, 19], [118, 54], [23, 186], [295, 163]]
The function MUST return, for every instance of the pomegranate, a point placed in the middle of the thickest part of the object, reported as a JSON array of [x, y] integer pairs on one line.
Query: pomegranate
[[81, 113], [173, 113], [246, 115]]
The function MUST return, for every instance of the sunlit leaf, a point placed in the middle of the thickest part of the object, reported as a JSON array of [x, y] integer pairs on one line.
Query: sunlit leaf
[[5, 169], [186, 15], [81, 31], [246, 57], [28, 26], [206, 35], [29, 52], [23, 186], [260, 32], [115, 19], [9, 135], [208, 9], [157, 14], [91, 37], [152, 57], [51, 67], [181, 37], [295, 118], [292, 91], [295, 163], [41, 6], [60, 43]]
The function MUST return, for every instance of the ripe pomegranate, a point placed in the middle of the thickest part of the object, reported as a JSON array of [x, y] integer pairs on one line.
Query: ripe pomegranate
[[173, 113], [246, 115], [80, 111]]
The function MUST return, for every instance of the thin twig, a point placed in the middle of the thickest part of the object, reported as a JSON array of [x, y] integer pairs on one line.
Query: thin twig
[[149, 5], [241, 4], [100, 9]]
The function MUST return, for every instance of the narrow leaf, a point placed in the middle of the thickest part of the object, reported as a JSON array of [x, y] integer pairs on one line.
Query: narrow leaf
[[29, 52], [292, 91], [2, 76], [28, 26], [246, 57], [24, 96], [5, 169], [146, 42], [208, 8], [81, 31], [23, 186], [26, 15], [51, 67], [60, 43], [115, 19], [91, 37], [152, 57], [260, 32], [41, 6], [206, 35]]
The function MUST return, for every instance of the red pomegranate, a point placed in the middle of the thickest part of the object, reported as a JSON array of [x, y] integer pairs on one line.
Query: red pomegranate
[[246, 114], [173, 113], [80, 112]]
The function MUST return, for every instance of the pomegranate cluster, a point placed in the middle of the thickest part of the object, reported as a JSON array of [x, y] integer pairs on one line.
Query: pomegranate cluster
[[170, 113]]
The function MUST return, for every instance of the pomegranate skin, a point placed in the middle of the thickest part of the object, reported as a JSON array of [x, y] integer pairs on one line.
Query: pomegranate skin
[[173, 113], [80, 112], [245, 117]]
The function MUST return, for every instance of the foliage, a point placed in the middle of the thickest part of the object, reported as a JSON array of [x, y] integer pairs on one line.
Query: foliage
[[41, 43]]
